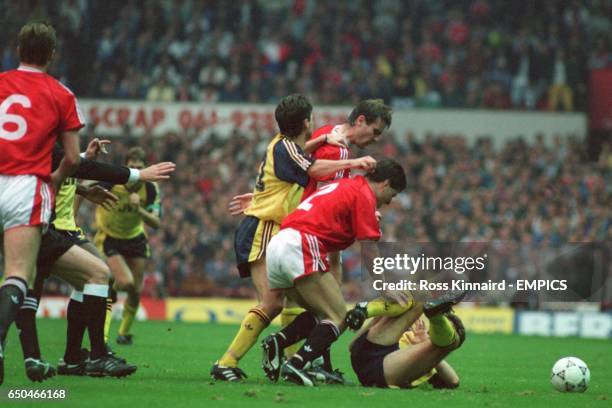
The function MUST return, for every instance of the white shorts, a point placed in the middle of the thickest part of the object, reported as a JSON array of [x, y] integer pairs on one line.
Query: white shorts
[[24, 201], [291, 255]]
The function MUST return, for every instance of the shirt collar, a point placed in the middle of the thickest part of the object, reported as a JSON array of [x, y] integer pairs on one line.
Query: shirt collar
[[27, 68]]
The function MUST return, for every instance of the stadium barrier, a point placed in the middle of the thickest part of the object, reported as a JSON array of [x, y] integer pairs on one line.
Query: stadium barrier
[[111, 116], [501, 320], [563, 324]]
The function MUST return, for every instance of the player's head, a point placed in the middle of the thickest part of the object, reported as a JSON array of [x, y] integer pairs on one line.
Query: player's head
[[369, 120], [135, 158], [36, 44], [294, 116], [387, 181]]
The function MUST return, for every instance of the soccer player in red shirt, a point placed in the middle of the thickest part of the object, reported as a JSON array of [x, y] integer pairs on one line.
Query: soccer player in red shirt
[[364, 126], [35, 109], [329, 220]]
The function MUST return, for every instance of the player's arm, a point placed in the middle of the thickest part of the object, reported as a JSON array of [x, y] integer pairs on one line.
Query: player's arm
[[89, 169], [334, 139], [150, 213], [293, 166], [69, 163], [445, 376], [322, 168]]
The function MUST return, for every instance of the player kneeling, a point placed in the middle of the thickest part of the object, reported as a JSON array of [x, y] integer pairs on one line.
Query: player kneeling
[[398, 352]]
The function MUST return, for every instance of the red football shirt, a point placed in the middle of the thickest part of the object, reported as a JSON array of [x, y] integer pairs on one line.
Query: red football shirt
[[35, 109], [327, 152], [338, 214]]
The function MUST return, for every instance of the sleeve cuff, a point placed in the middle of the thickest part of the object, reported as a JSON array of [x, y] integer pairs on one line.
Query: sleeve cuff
[[134, 175]]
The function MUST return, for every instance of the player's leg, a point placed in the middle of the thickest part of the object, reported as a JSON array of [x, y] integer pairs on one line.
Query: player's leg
[[257, 319], [123, 278], [292, 310], [386, 330], [322, 294], [91, 248], [132, 302], [404, 366], [53, 245], [124, 281], [21, 246], [82, 269], [375, 308], [250, 246]]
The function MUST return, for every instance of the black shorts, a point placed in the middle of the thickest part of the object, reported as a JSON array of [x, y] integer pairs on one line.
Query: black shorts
[[53, 245], [137, 247], [76, 236], [250, 242], [367, 361]]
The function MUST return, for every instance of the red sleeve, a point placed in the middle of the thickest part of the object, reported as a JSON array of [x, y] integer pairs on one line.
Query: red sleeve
[[330, 152], [365, 224], [72, 116]]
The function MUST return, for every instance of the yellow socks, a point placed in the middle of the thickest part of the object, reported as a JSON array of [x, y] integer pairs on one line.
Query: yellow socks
[[381, 307], [252, 325], [108, 318], [129, 313], [288, 315], [441, 331]]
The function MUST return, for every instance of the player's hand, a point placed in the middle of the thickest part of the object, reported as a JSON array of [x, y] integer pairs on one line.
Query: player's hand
[[336, 139], [102, 197], [367, 163], [396, 296], [157, 172], [239, 203], [134, 200], [56, 181], [95, 147], [419, 332], [378, 216]]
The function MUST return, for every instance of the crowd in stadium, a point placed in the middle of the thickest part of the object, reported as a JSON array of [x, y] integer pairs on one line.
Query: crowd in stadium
[[471, 53], [531, 194]]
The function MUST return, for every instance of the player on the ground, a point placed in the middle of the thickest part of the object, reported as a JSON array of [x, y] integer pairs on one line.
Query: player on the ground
[[364, 126], [35, 109], [121, 236], [398, 352], [283, 174], [329, 220], [60, 256]]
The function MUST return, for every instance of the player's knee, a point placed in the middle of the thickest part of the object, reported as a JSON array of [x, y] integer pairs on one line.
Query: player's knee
[[100, 274], [454, 383], [124, 284], [272, 307]]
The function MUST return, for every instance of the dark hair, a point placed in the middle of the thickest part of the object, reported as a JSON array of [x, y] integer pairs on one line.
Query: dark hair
[[372, 109], [290, 114], [136, 153], [388, 169], [36, 43]]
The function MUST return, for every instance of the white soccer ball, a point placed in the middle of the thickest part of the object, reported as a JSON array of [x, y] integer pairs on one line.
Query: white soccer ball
[[570, 374]]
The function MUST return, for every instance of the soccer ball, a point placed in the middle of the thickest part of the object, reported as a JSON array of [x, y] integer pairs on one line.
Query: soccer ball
[[570, 374]]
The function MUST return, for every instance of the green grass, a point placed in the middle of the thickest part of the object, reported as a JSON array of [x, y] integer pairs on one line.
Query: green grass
[[174, 360]]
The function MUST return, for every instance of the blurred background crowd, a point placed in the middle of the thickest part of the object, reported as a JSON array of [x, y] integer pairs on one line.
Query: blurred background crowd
[[523, 193], [531, 55], [445, 53]]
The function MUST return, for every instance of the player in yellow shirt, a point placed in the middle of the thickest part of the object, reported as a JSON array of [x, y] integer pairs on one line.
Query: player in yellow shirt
[[283, 174], [398, 352], [121, 236]]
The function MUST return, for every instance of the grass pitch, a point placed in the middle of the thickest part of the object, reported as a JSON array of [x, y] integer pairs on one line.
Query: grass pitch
[[174, 360]]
